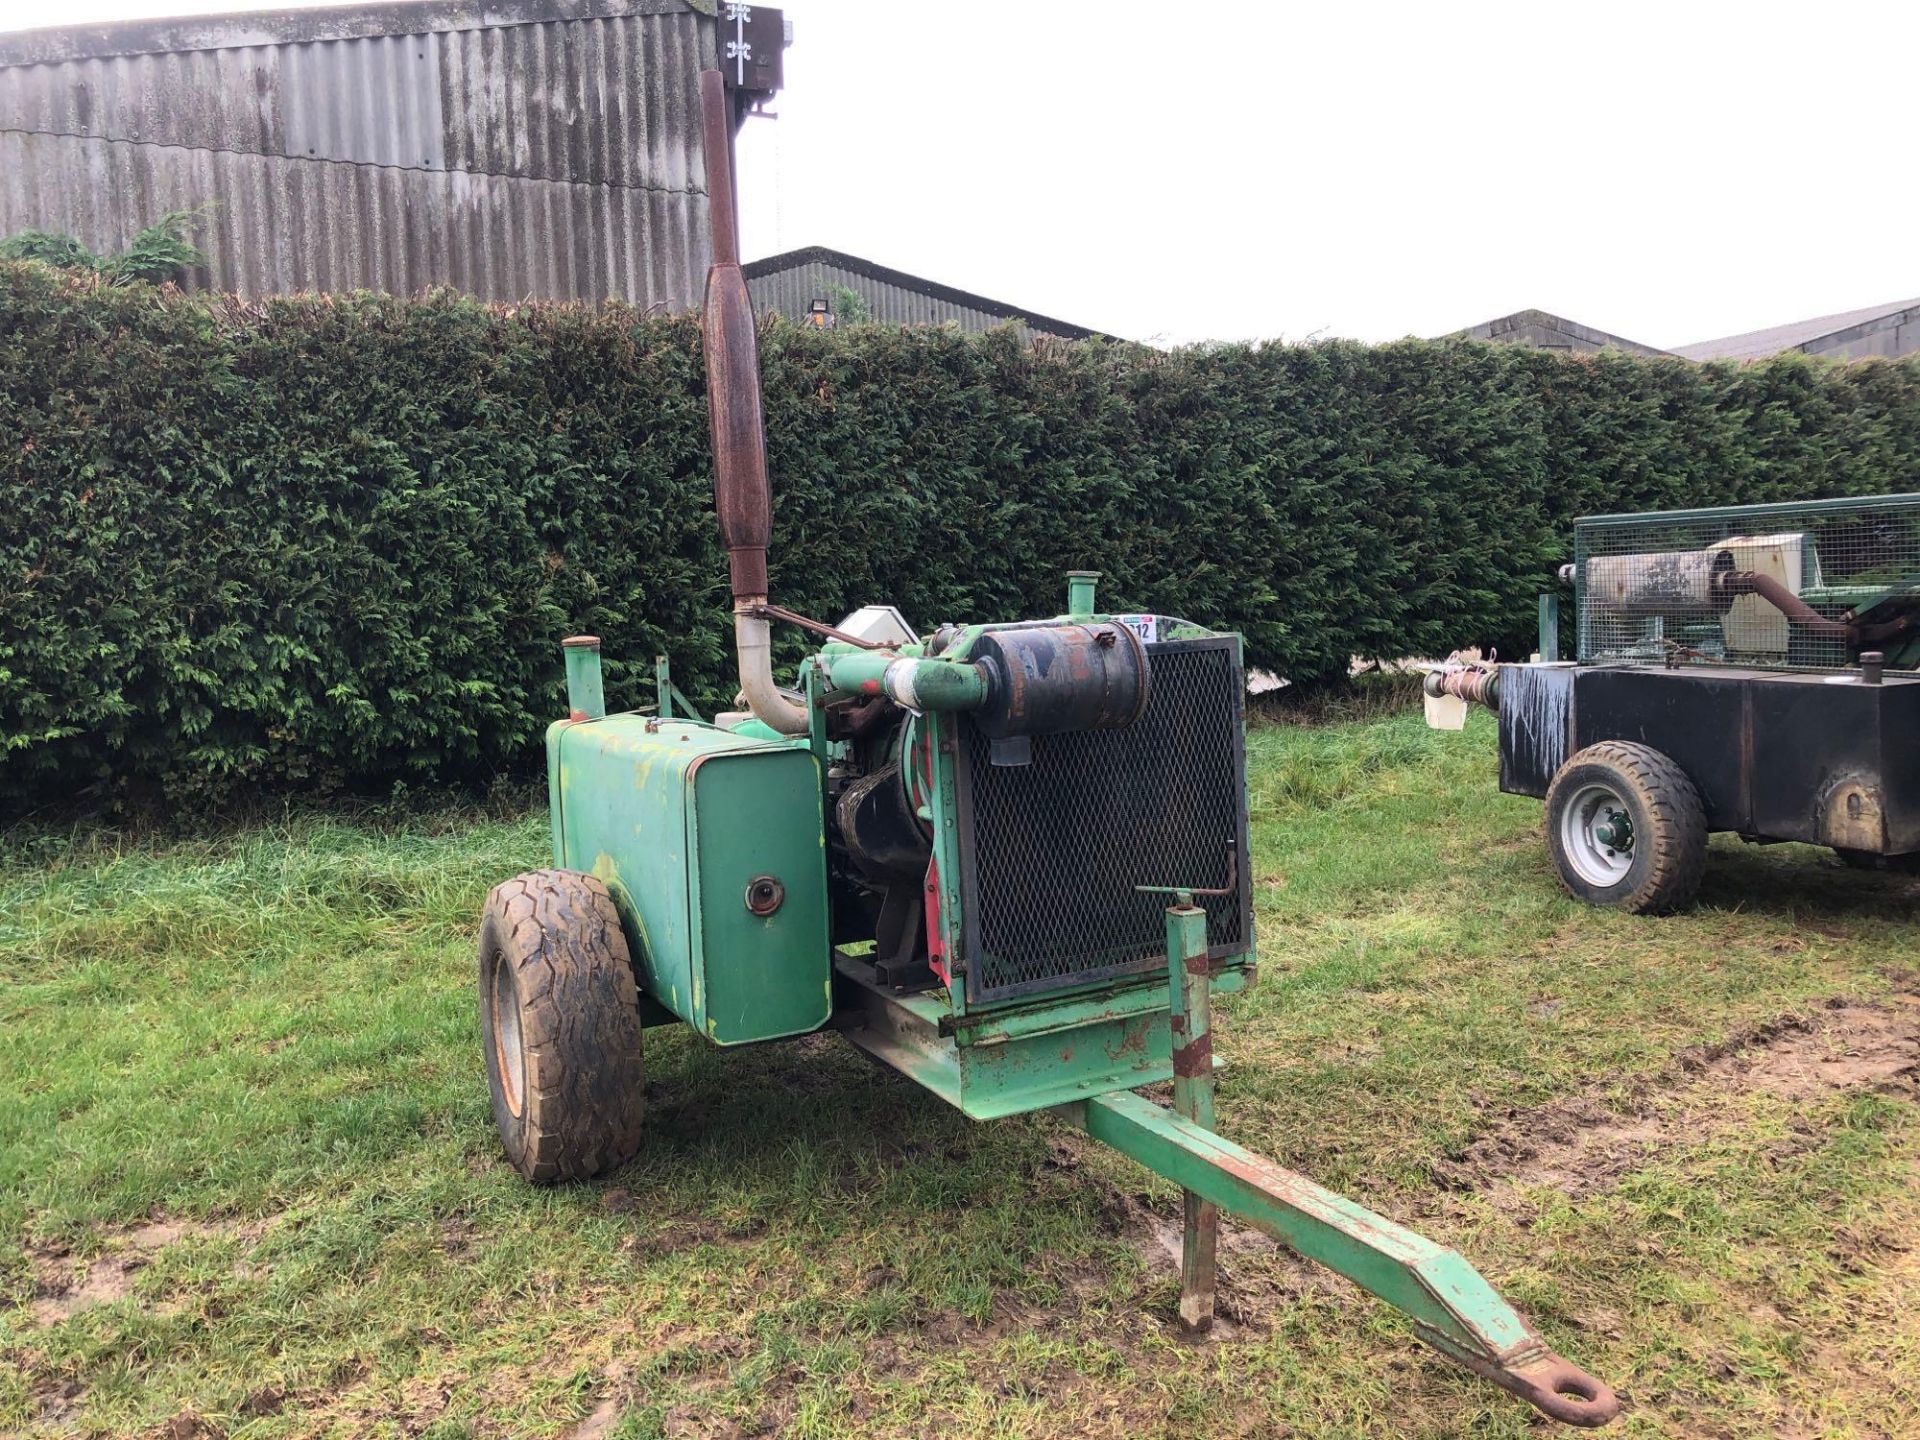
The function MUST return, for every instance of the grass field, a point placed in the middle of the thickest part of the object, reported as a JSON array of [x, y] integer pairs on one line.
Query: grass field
[[249, 1184]]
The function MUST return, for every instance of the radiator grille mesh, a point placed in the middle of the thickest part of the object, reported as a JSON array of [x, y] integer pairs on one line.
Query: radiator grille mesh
[[1052, 851]]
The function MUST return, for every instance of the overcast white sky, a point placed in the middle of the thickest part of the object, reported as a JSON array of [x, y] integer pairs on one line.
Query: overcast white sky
[[1667, 171]]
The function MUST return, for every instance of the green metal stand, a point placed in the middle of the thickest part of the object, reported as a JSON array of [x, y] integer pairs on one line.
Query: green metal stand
[[1191, 1016], [669, 693], [1453, 1308]]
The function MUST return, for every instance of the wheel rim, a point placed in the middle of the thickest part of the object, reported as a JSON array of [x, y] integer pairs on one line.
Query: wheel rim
[[1596, 835], [509, 1057]]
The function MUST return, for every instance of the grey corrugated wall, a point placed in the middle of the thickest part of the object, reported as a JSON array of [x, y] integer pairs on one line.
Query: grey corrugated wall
[[1888, 336], [791, 291], [553, 160]]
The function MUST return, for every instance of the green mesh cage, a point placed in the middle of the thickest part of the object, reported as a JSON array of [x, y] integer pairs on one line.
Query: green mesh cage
[[1808, 585]]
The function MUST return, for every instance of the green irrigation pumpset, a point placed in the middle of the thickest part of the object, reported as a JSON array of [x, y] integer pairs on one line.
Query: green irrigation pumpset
[[1753, 669], [1009, 861]]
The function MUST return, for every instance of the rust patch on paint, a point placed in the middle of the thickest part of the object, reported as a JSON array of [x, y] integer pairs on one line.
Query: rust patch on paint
[[1195, 1058]]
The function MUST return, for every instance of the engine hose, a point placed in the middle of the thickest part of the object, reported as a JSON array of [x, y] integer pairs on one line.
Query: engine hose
[[1796, 610]]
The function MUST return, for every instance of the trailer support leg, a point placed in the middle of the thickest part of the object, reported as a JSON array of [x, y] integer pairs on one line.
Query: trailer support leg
[[1192, 1018]]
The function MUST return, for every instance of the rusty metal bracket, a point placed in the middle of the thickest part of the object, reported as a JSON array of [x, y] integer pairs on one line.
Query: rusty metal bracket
[[765, 611]]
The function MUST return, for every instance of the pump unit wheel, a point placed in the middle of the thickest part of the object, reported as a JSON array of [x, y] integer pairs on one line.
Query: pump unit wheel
[[560, 1024], [1626, 828]]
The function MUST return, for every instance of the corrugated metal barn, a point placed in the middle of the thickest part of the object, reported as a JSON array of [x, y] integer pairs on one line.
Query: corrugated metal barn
[[509, 148], [1550, 332], [1884, 330], [790, 283]]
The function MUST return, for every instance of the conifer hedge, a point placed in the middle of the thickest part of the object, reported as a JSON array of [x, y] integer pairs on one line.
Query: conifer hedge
[[330, 543]]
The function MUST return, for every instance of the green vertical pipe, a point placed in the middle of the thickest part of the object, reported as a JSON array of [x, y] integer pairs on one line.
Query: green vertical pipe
[[586, 700], [1080, 585], [1549, 626]]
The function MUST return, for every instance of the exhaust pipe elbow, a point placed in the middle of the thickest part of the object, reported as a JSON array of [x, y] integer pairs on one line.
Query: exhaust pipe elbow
[[752, 640]]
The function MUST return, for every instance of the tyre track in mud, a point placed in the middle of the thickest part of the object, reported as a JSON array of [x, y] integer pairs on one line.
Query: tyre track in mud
[[1583, 1145]]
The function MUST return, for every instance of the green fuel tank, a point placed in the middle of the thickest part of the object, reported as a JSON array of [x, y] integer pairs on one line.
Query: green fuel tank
[[714, 847]]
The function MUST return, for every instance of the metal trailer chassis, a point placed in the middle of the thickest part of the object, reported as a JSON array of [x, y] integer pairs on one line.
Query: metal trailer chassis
[[1009, 861], [1774, 755], [1748, 669], [1770, 755], [709, 844]]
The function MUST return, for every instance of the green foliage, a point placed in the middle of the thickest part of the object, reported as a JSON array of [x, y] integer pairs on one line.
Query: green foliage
[[849, 305], [333, 542], [161, 252], [49, 248], [157, 254]]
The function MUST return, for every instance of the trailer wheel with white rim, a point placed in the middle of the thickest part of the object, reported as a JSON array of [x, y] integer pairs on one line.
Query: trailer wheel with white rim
[[1626, 829]]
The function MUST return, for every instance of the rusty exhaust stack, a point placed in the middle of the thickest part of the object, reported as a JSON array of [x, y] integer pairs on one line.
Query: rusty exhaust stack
[[741, 494]]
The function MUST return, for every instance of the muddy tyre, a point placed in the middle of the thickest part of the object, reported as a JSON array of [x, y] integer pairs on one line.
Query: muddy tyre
[[560, 1025], [1626, 829]]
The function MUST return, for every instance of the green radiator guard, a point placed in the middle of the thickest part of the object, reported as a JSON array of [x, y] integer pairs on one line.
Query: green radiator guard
[[679, 818]]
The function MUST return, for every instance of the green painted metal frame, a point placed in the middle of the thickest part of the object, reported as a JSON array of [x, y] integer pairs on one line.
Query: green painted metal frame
[[670, 694], [1013, 1061], [1084, 1057], [1453, 1308]]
